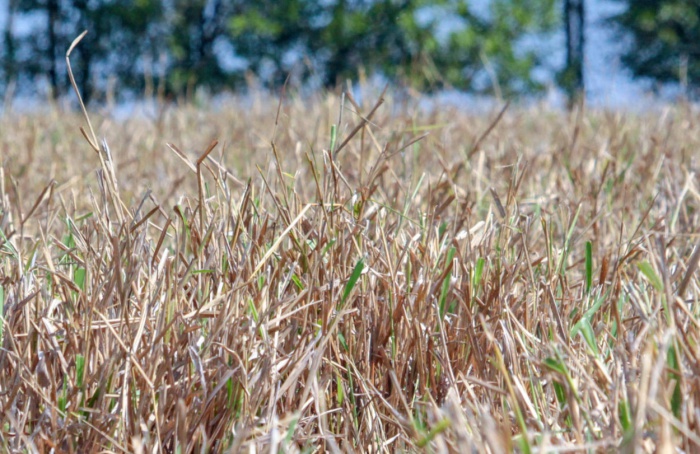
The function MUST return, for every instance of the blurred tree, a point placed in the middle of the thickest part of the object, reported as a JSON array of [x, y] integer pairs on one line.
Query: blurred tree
[[571, 78], [37, 53], [383, 36], [498, 51], [664, 41], [130, 44], [197, 34], [9, 55], [276, 38], [120, 32], [121, 35], [426, 44]]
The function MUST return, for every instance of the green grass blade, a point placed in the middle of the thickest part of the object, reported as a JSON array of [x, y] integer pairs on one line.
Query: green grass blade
[[334, 137], [79, 370], [79, 278], [2, 314], [589, 266], [648, 272], [356, 272], [676, 396], [624, 415], [440, 427], [446, 282], [478, 273]]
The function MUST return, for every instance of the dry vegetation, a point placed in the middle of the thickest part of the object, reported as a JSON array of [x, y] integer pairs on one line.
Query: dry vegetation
[[430, 284]]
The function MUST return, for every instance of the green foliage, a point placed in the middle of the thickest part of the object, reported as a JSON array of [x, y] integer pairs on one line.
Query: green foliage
[[492, 41], [434, 45], [121, 34], [178, 46], [274, 37], [664, 40], [193, 29]]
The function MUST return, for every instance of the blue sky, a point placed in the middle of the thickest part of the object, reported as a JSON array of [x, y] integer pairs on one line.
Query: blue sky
[[608, 83]]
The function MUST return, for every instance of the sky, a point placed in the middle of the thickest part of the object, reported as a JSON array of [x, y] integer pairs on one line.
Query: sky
[[608, 83]]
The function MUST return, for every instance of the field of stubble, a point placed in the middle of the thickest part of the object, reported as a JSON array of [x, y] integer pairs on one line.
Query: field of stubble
[[340, 277]]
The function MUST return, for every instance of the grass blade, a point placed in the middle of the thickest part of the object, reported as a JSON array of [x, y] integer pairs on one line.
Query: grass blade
[[589, 266], [354, 277]]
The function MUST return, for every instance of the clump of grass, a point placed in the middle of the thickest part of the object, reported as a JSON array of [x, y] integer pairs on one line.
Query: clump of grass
[[521, 281]]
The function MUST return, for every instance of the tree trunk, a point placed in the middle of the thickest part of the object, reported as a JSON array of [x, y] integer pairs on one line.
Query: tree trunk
[[574, 29], [52, 8], [10, 56], [86, 51]]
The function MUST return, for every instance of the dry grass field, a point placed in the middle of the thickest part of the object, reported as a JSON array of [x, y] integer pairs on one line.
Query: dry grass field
[[334, 276]]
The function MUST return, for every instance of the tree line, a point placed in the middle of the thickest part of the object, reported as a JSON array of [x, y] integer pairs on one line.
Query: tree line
[[180, 46]]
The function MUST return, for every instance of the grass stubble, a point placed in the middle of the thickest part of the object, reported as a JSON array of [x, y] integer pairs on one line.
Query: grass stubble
[[278, 277]]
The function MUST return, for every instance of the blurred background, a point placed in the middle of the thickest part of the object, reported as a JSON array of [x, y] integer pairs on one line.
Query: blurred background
[[615, 53]]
